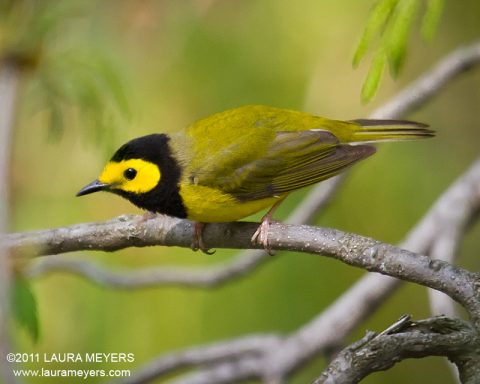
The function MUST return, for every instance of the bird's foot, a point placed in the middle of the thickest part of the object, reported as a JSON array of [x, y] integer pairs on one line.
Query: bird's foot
[[197, 239], [148, 215], [261, 235]]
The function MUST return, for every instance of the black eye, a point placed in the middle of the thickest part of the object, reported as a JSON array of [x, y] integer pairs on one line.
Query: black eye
[[130, 173]]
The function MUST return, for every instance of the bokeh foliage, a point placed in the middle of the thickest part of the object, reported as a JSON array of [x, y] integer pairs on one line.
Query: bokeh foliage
[[184, 60], [46, 40]]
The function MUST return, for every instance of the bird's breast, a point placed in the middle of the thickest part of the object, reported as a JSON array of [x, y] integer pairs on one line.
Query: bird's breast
[[210, 205]]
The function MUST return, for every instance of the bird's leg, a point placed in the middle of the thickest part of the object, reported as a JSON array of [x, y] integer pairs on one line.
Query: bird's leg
[[261, 234], [197, 239]]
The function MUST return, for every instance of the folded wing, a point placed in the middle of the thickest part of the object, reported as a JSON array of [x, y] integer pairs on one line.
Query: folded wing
[[292, 161]]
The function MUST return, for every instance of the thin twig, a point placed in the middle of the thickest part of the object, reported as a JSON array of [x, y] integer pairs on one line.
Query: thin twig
[[210, 277]]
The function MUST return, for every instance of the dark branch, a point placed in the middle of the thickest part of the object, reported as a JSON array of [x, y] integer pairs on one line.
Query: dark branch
[[439, 336]]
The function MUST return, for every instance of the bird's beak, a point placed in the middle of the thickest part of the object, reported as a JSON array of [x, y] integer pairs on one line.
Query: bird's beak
[[94, 186]]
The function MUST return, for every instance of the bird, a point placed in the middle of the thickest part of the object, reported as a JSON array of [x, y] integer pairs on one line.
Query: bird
[[238, 162]]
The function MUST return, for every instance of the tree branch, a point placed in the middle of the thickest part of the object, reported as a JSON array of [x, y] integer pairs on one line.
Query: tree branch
[[447, 238], [444, 248], [439, 336], [352, 249], [231, 351], [206, 277]]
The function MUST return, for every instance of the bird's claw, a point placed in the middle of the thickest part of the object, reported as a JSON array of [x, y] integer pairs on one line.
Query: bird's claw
[[197, 240], [200, 246]]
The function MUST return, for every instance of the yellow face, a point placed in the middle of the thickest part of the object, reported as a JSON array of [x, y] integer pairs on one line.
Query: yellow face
[[133, 175]]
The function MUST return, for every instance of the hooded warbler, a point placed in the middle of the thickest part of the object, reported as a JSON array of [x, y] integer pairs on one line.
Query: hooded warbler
[[240, 161]]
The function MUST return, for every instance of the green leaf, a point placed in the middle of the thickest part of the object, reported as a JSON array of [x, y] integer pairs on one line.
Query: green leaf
[[379, 16], [396, 37], [374, 75], [431, 19], [390, 22], [24, 306]]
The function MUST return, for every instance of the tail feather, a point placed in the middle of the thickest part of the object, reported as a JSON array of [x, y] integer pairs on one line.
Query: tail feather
[[390, 130]]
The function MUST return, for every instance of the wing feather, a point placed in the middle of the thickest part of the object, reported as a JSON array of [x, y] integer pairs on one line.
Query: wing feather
[[330, 164]]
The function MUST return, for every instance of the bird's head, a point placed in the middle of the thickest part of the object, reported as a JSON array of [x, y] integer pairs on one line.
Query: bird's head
[[135, 168], [145, 172]]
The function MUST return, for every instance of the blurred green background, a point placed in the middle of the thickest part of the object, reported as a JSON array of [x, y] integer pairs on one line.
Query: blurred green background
[[182, 60]]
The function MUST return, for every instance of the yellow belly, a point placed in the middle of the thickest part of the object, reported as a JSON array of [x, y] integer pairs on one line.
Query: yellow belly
[[209, 205]]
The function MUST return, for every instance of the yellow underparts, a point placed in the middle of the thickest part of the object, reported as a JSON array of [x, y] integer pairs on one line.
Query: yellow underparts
[[147, 177], [209, 205]]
